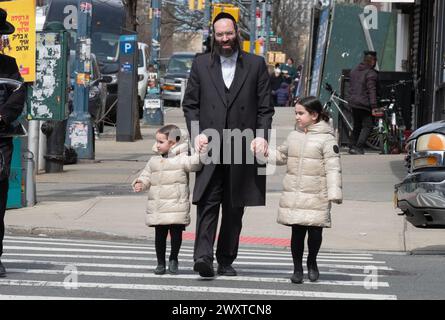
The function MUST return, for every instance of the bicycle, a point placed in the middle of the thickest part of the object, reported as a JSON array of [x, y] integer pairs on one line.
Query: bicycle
[[388, 134], [335, 100]]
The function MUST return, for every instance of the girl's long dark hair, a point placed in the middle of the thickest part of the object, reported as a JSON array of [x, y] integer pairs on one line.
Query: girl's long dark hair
[[313, 105]]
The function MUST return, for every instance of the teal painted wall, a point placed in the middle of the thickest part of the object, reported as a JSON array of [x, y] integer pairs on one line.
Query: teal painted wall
[[347, 43]]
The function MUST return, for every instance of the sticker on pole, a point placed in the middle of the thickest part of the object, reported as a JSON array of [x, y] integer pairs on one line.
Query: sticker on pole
[[152, 103], [78, 133], [126, 67]]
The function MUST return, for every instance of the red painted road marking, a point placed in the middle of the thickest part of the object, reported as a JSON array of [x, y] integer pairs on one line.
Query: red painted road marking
[[249, 240]]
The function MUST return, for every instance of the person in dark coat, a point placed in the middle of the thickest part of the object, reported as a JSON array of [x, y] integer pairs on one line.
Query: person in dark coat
[[228, 89], [275, 82], [11, 105], [363, 99], [283, 95]]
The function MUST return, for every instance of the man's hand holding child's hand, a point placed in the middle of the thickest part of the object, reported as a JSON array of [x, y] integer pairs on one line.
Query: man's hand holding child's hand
[[137, 187]]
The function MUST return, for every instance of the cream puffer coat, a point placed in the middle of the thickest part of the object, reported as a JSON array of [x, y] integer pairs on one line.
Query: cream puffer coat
[[167, 181], [313, 177]]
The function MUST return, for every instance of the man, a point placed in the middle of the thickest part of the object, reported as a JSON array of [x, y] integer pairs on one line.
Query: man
[[363, 100], [11, 105], [290, 68], [227, 89], [276, 79]]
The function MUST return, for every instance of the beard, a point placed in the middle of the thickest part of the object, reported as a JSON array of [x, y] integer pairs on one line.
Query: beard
[[226, 52]]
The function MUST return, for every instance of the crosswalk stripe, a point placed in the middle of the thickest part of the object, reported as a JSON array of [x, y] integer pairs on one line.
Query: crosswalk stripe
[[51, 249], [202, 289], [82, 256], [193, 277], [290, 271], [92, 243], [17, 297], [132, 266], [252, 270]]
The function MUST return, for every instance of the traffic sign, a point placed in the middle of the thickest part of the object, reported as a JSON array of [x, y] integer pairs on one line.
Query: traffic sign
[[127, 44]]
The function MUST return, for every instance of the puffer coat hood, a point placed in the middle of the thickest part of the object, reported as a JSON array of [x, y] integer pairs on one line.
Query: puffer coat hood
[[167, 181], [313, 176]]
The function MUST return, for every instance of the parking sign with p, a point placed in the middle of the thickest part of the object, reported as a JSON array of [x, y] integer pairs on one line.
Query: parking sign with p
[[127, 44]]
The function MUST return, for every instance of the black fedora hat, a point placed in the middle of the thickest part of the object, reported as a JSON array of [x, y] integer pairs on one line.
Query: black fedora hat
[[5, 26]]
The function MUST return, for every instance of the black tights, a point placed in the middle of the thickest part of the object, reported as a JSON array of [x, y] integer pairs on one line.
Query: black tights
[[161, 233], [297, 244]]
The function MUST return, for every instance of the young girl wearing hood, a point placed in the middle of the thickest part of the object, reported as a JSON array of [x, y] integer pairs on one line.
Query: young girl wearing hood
[[166, 177]]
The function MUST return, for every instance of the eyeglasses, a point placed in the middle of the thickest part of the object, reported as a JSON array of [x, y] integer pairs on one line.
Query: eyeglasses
[[228, 34]]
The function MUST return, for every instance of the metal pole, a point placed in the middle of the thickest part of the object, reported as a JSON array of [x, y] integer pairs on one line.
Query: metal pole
[[156, 34], [267, 26], [80, 133], [207, 17], [42, 150], [252, 25], [31, 162], [155, 116], [33, 139]]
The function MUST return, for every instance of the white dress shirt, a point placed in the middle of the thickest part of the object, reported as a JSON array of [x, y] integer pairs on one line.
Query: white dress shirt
[[228, 66]]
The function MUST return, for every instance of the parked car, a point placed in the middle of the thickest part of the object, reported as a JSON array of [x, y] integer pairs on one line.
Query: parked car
[[421, 195], [143, 73], [97, 90], [178, 69]]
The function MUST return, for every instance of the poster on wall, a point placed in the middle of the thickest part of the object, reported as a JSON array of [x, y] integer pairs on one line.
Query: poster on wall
[[317, 69], [22, 43]]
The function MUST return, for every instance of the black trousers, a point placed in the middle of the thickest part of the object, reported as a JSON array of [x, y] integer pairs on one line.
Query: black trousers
[[216, 194], [362, 126], [297, 244], [5, 152], [161, 233]]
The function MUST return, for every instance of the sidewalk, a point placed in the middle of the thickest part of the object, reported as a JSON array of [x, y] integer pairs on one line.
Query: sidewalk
[[95, 200]]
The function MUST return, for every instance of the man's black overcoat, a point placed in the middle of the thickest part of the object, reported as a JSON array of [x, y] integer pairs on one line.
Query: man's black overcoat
[[247, 105]]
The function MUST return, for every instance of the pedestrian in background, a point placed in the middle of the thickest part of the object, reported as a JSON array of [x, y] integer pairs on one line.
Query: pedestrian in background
[[166, 178], [283, 95], [12, 102], [313, 180], [290, 68], [228, 90], [276, 79], [362, 98]]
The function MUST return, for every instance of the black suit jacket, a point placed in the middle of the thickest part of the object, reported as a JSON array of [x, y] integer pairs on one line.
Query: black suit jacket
[[13, 106], [247, 107]]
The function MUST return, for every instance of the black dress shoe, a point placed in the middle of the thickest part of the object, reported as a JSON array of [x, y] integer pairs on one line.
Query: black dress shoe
[[204, 267], [2, 270], [297, 277], [226, 270], [160, 269], [312, 272], [173, 266]]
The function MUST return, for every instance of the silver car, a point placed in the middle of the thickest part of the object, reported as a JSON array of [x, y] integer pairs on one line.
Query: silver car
[[421, 195]]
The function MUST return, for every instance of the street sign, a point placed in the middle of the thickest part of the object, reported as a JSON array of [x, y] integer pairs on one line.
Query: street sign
[[277, 40], [152, 103], [127, 44]]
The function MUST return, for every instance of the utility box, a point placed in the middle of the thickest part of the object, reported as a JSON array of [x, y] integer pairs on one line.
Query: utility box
[[48, 96], [16, 179]]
